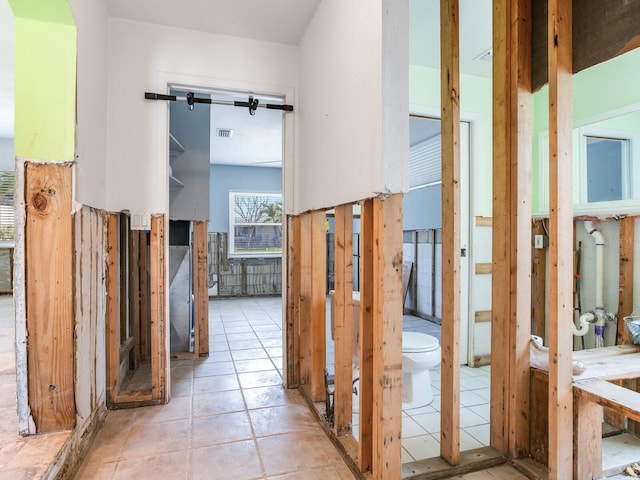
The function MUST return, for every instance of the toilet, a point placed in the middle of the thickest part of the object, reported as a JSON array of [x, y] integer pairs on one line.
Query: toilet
[[420, 353]]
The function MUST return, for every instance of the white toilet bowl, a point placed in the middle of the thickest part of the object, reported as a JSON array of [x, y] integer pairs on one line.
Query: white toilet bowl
[[420, 353]]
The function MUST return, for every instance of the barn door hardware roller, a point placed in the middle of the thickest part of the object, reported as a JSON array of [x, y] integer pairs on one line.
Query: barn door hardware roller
[[253, 104]]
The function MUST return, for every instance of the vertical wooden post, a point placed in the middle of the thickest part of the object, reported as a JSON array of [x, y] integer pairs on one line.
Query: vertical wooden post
[[387, 337], [450, 100], [200, 290], [560, 241], [49, 296], [343, 318], [625, 301], [511, 267], [318, 304], [159, 386], [587, 436], [305, 298], [134, 297], [144, 297], [113, 309], [367, 302], [292, 302]]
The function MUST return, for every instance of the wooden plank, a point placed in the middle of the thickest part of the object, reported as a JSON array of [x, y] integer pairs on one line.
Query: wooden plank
[[387, 337], [145, 346], [124, 277], [318, 304], [49, 295], [470, 461], [158, 303], [292, 302], [587, 437], [484, 221], [200, 290], [126, 347], [608, 394], [483, 268], [134, 298], [113, 308], [560, 240], [367, 299], [613, 417], [538, 278], [304, 321], [450, 101], [343, 318], [625, 284], [483, 316]]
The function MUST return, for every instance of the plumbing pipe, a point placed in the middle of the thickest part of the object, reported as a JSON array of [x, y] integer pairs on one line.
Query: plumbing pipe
[[585, 319], [600, 314]]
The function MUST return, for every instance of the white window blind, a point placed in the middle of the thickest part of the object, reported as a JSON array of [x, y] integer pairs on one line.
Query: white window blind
[[7, 210], [425, 163]]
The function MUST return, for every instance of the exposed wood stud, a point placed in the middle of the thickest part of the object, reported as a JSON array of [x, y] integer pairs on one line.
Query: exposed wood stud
[[387, 337], [450, 101], [134, 297], [113, 309], [343, 318], [292, 302], [483, 316], [305, 298], [49, 296], [159, 386], [200, 287], [145, 347], [587, 432], [484, 221], [367, 305], [560, 241], [625, 299], [318, 304]]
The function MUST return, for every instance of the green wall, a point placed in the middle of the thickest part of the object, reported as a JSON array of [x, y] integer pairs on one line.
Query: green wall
[[475, 104], [605, 90], [45, 79]]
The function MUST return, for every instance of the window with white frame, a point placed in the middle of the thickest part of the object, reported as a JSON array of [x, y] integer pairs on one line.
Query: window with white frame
[[255, 224], [606, 168]]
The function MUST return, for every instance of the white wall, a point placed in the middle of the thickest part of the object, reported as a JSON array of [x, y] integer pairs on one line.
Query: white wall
[[144, 57], [353, 118], [91, 106]]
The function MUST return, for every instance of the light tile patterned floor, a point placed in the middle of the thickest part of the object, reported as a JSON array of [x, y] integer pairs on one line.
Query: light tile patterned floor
[[229, 417]]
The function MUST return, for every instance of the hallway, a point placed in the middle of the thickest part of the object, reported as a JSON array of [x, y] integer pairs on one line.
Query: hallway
[[229, 416]]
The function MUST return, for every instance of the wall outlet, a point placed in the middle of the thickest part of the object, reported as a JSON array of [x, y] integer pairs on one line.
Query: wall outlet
[[140, 221], [539, 241]]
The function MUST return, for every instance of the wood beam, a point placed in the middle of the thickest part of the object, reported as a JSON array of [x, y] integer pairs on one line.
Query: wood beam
[[450, 101], [367, 305], [144, 297], [49, 295], [292, 302], [343, 319], [625, 300], [305, 298], [113, 309], [560, 241], [158, 301], [134, 298], [387, 337], [200, 287], [318, 304]]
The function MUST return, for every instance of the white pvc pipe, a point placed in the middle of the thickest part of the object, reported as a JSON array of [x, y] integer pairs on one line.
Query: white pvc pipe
[[599, 239], [585, 319]]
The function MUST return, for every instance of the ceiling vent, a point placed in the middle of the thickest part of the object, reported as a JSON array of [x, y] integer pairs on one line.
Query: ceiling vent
[[224, 132], [486, 56]]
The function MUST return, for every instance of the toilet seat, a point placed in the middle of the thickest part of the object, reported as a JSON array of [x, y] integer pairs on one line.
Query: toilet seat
[[413, 342]]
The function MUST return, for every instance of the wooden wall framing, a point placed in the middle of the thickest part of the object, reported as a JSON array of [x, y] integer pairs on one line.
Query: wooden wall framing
[[511, 252], [142, 335], [49, 295]]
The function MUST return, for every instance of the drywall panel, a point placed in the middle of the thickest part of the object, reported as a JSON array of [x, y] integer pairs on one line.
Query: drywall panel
[[91, 103], [422, 208], [227, 178], [353, 118], [144, 57], [45, 80]]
